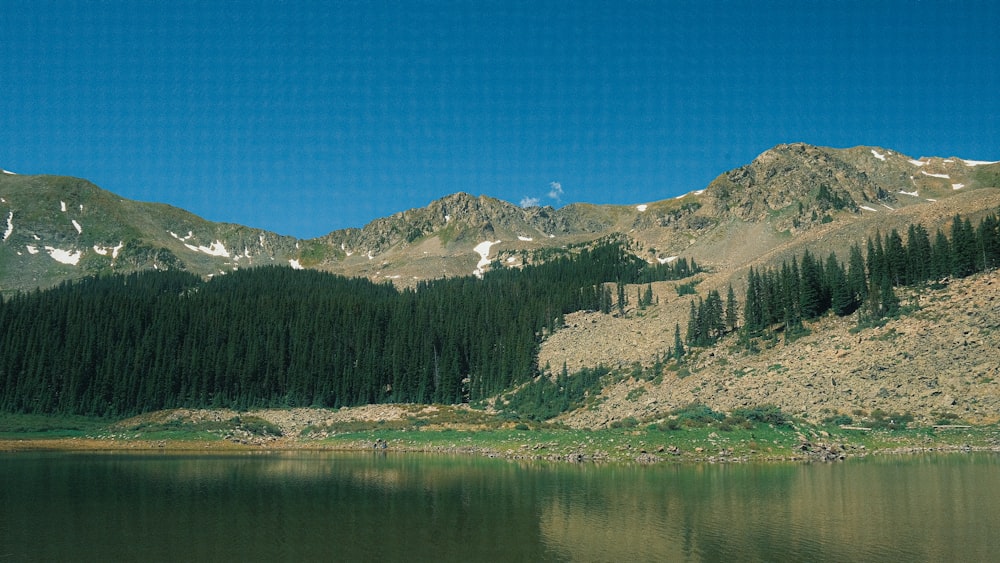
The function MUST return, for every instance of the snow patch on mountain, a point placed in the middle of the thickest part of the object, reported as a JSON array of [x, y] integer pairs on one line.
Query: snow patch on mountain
[[32, 249], [913, 193], [215, 249], [10, 226], [77, 226], [667, 260], [641, 207], [62, 206], [878, 155], [295, 264], [932, 175], [9, 172], [917, 162], [483, 249], [696, 192], [524, 239], [957, 186], [978, 162], [64, 256], [104, 251]]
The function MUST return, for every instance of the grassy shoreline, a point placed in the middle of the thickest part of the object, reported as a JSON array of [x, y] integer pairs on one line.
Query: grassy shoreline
[[796, 441]]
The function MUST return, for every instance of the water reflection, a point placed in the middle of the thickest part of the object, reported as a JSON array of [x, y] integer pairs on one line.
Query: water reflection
[[311, 506], [912, 509]]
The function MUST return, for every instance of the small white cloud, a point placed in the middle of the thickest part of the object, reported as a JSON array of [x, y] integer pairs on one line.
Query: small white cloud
[[529, 202], [555, 190]]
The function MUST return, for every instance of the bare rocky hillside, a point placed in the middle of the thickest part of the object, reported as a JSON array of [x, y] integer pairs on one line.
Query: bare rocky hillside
[[938, 361]]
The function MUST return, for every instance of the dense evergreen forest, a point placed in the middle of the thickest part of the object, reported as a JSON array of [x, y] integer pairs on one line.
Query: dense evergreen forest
[[781, 298], [121, 345]]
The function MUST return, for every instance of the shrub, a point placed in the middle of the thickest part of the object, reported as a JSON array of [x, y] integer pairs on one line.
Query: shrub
[[635, 393], [667, 425], [257, 426], [889, 421], [764, 414], [839, 420], [687, 288], [696, 414], [544, 398]]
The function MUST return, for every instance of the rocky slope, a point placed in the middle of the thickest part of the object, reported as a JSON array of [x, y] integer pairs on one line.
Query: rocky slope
[[939, 361]]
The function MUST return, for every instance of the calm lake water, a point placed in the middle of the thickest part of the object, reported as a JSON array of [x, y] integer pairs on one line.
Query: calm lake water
[[312, 506]]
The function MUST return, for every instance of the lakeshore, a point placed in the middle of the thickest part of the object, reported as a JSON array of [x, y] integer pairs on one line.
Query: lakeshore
[[462, 431]]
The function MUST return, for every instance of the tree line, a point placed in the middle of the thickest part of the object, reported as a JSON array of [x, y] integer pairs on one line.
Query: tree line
[[810, 287], [125, 344]]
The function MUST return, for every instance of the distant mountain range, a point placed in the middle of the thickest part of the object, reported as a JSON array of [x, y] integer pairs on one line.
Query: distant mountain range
[[57, 228]]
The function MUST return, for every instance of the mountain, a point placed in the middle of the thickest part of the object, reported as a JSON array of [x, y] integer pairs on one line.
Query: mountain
[[58, 228], [790, 199]]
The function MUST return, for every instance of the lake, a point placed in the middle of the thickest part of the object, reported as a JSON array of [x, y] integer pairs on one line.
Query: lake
[[321, 506]]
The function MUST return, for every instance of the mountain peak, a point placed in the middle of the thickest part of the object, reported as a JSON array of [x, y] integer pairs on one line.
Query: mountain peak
[[786, 190]]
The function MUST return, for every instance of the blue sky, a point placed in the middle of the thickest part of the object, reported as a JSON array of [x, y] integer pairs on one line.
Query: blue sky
[[306, 117]]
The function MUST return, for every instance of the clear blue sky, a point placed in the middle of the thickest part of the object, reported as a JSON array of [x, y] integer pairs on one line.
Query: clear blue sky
[[306, 117]]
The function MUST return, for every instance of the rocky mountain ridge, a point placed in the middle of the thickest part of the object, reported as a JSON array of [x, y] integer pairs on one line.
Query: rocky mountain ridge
[[60, 228]]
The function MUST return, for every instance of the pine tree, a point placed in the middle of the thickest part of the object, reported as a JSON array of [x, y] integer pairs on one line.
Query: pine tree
[[605, 299], [647, 297], [711, 318], [810, 287], [621, 299], [988, 242], [941, 256], [895, 258], [791, 311], [857, 279], [694, 325], [963, 243], [876, 260], [732, 311], [752, 308], [678, 343], [918, 254], [841, 300]]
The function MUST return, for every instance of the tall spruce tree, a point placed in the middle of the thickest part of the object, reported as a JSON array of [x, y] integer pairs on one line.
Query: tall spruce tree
[[918, 254], [841, 300], [732, 310], [941, 255], [678, 343], [963, 242], [857, 278], [753, 313], [811, 287]]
